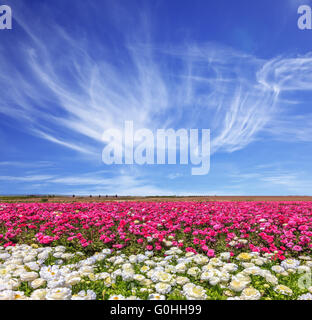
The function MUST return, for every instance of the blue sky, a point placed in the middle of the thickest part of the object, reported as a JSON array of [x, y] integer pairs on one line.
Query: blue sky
[[71, 69]]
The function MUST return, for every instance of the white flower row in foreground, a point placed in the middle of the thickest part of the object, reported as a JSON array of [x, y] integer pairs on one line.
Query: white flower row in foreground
[[51, 273]]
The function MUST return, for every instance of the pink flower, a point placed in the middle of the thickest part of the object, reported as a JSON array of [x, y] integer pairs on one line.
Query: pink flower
[[297, 248], [210, 253]]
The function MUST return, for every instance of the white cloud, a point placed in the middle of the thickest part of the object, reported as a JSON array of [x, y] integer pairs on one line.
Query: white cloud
[[235, 95], [21, 164], [26, 178], [88, 183]]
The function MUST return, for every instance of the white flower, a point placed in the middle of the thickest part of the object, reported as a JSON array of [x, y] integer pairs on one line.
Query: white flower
[[250, 294], [72, 278], [283, 290], [127, 267], [34, 266], [29, 276], [108, 281], [182, 280], [230, 267], [59, 294], [224, 276], [238, 285], [244, 256], [271, 279], [29, 258], [258, 261], [149, 262], [155, 296], [253, 270], [133, 298], [7, 268], [164, 277], [38, 294], [128, 275], [163, 288], [37, 283], [84, 295], [9, 283], [290, 264], [193, 292], [19, 295], [138, 277], [167, 258], [49, 273], [303, 269], [180, 268], [243, 241], [242, 277], [193, 271], [141, 257], [4, 256], [146, 282], [67, 256], [159, 268], [247, 265], [170, 269], [57, 255], [200, 259], [43, 255], [117, 297], [307, 296], [60, 249], [167, 243], [234, 298], [206, 275], [158, 275], [7, 295], [106, 251], [229, 293], [184, 260], [18, 271], [225, 256], [17, 261], [305, 258], [278, 269], [86, 270], [117, 273], [214, 281], [56, 283], [103, 275], [189, 254], [145, 269], [216, 262]]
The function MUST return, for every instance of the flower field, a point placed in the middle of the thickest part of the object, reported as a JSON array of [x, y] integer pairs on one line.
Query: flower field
[[156, 250]]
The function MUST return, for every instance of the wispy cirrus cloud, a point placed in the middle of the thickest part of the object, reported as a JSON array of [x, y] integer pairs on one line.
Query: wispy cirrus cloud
[[30, 178], [236, 95], [97, 182], [24, 164]]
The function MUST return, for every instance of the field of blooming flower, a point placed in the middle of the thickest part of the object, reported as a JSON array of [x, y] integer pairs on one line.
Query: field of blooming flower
[[156, 250]]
